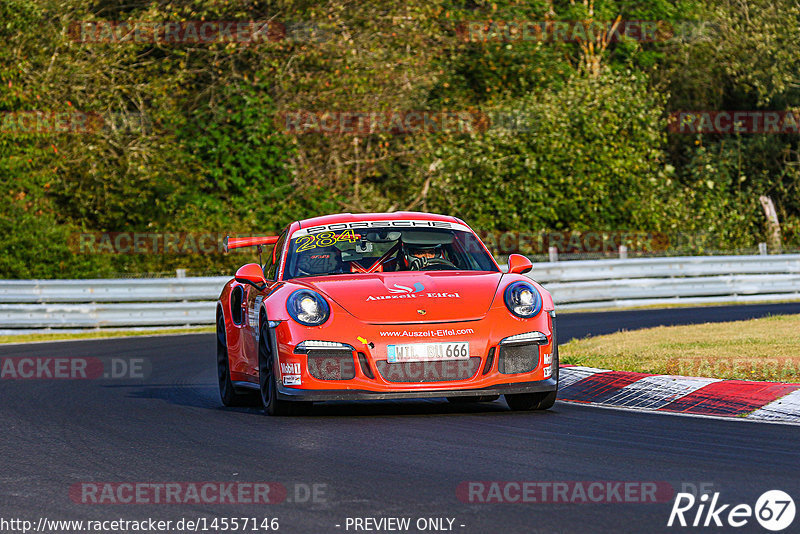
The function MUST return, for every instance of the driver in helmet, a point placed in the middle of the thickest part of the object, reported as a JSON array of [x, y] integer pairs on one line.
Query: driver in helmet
[[419, 256]]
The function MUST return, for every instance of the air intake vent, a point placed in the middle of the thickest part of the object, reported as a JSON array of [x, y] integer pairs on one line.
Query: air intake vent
[[518, 359], [331, 364], [429, 371]]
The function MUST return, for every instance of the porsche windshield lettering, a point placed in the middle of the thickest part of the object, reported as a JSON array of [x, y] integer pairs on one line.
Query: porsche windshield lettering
[[381, 224]]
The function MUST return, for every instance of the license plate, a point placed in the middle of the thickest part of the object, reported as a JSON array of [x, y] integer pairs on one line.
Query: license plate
[[425, 352]]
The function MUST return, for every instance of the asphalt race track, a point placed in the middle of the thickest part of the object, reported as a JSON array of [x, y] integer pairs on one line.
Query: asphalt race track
[[374, 459]]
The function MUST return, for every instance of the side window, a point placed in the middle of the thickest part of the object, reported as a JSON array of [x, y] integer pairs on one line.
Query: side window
[[268, 261], [236, 304], [274, 258]]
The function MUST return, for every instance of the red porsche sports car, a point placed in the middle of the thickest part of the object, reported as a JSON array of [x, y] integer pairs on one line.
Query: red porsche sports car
[[383, 306]]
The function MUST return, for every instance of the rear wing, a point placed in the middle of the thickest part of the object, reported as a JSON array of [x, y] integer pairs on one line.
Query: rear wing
[[230, 243]]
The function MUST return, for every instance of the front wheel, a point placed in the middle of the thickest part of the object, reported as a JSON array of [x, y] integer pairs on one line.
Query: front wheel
[[531, 401], [266, 375]]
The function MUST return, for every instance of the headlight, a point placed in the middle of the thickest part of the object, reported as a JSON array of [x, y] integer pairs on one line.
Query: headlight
[[308, 307], [523, 300]]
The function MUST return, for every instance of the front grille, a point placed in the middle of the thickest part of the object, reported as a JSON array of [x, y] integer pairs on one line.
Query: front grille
[[331, 364], [518, 358], [440, 371]]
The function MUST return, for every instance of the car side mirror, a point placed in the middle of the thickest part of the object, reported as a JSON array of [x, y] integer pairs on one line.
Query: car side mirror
[[519, 264], [253, 275]]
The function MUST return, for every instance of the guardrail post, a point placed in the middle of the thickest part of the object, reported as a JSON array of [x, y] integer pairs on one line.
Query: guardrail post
[[180, 273], [762, 249], [553, 252], [623, 252]]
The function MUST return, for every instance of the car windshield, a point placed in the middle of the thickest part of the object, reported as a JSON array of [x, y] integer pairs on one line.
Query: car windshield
[[346, 250]]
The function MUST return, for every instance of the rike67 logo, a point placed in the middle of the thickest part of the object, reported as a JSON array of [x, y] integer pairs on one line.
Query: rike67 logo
[[774, 510]]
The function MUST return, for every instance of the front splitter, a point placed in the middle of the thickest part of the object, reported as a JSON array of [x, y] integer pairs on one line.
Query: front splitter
[[318, 395]]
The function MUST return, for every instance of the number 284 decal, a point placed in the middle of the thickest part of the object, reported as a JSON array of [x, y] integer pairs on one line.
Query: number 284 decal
[[324, 239]]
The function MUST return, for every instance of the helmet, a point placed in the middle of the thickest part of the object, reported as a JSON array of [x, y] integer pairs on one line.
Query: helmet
[[417, 256], [425, 251]]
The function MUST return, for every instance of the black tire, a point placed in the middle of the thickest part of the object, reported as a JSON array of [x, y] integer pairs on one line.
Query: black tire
[[531, 401], [473, 398], [227, 393], [266, 375]]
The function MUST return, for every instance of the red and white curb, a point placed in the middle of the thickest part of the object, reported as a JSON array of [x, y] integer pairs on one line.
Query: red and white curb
[[766, 401]]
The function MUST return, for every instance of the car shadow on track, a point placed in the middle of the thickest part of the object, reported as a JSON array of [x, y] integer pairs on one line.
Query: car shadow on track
[[403, 407], [412, 408], [205, 396], [202, 397]]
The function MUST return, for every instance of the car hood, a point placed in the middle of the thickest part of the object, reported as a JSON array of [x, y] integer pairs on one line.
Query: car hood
[[419, 297]]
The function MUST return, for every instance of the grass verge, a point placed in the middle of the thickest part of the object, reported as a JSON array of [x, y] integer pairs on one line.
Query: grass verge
[[100, 334], [758, 349]]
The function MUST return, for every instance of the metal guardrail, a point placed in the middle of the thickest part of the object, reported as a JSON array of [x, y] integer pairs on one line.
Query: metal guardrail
[[119, 290], [99, 303], [105, 315], [26, 304], [664, 267], [670, 280]]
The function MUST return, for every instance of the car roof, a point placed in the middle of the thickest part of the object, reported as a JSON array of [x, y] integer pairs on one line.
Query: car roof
[[394, 216]]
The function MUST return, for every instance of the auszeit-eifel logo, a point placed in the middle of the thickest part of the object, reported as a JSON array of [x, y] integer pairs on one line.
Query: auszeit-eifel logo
[[404, 289]]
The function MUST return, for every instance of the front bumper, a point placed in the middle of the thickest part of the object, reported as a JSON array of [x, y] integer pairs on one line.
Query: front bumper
[[318, 395], [365, 377]]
